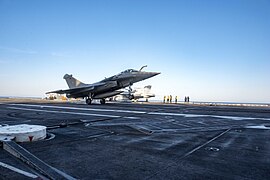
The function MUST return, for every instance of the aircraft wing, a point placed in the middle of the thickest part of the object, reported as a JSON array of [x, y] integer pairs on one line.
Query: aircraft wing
[[72, 90], [80, 89]]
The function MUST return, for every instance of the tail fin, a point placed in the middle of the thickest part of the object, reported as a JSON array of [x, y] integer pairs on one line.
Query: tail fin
[[72, 82], [147, 89]]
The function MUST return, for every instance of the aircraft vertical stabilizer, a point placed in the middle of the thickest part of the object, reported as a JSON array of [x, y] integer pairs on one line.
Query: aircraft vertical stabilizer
[[72, 82]]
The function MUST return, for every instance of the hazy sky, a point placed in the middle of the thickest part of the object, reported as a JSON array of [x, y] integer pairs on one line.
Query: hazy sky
[[210, 50]]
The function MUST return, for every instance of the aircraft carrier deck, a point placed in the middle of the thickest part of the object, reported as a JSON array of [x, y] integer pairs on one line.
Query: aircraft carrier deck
[[139, 141]]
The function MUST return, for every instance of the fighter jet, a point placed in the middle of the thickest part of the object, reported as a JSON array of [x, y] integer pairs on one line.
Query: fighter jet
[[143, 93], [103, 89], [135, 95]]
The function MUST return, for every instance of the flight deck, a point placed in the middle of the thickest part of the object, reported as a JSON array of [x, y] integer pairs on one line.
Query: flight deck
[[138, 141]]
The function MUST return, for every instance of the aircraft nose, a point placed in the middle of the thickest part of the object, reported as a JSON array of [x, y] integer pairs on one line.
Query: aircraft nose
[[144, 75], [150, 74]]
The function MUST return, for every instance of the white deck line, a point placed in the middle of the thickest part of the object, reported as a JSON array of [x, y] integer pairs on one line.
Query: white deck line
[[74, 108], [64, 112], [18, 170], [75, 113], [208, 115], [199, 147], [127, 111]]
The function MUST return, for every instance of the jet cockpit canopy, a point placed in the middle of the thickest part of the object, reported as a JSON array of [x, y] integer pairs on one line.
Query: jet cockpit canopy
[[129, 71]]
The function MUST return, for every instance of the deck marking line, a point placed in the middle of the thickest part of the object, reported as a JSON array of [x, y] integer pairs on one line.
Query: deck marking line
[[75, 108], [144, 112], [199, 147], [63, 112], [18, 170]]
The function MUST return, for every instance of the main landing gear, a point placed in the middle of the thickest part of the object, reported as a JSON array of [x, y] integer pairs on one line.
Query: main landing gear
[[89, 101], [102, 101]]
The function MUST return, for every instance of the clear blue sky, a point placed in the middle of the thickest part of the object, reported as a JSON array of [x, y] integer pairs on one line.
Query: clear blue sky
[[210, 50]]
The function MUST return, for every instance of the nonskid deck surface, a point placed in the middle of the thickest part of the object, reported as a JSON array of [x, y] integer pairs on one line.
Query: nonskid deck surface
[[143, 141]]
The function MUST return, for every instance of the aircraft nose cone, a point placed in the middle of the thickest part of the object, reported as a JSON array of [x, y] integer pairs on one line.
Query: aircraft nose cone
[[147, 75], [156, 73], [151, 74], [143, 75]]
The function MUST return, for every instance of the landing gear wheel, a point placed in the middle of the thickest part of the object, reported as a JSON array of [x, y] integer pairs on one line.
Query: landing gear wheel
[[88, 101], [131, 97], [102, 101]]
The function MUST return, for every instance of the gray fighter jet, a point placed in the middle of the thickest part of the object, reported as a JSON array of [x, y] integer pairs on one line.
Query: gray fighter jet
[[103, 89]]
